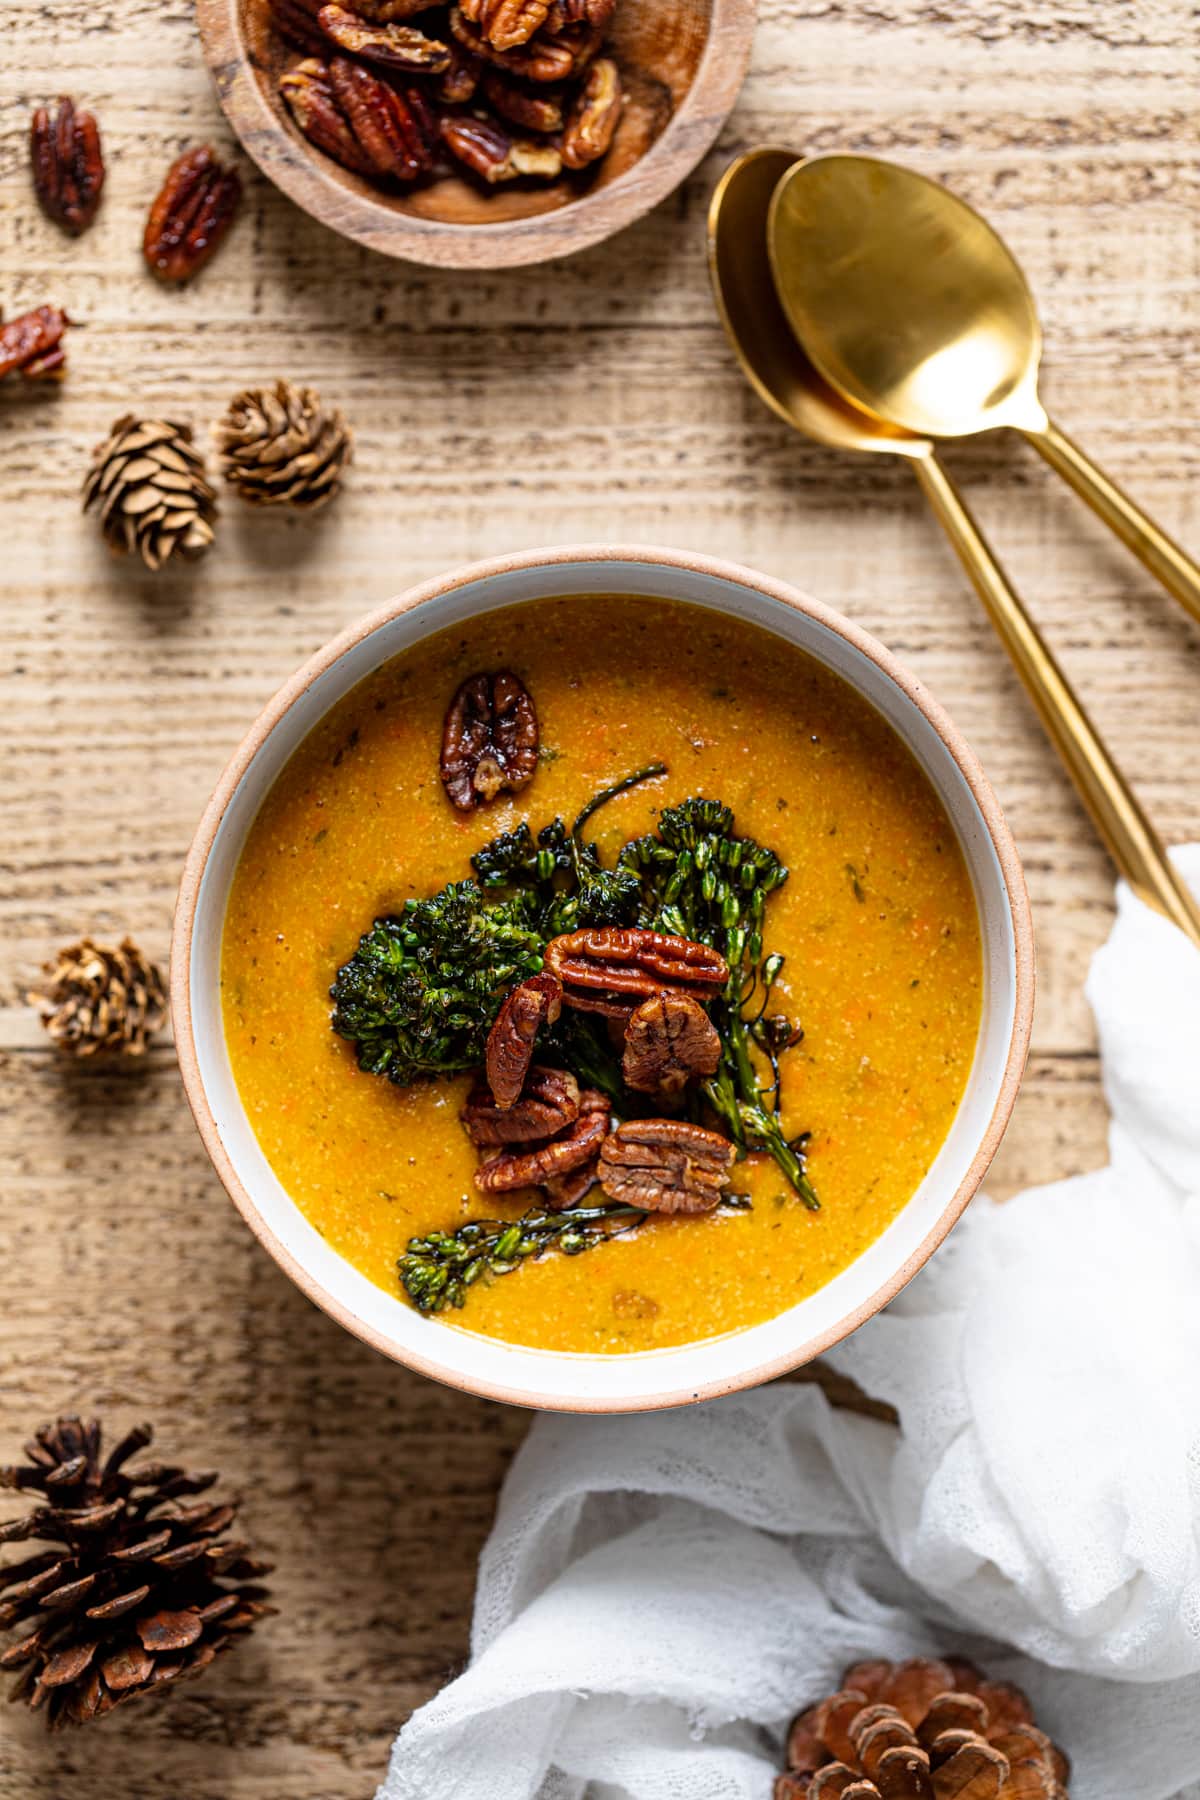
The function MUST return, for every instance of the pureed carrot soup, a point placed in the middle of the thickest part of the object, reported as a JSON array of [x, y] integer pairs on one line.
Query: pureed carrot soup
[[724, 1080]]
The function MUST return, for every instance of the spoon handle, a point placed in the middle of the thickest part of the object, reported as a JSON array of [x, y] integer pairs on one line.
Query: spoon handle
[[1132, 840], [1150, 544]]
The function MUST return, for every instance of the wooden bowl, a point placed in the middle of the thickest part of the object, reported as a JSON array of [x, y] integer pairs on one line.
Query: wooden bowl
[[682, 62]]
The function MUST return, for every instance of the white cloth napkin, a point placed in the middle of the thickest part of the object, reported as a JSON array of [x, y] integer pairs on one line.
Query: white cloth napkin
[[660, 1593]]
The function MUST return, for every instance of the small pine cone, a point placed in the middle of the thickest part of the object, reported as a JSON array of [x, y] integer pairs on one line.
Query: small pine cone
[[147, 480], [280, 447], [102, 1002], [921, 1730], [137, 1588]]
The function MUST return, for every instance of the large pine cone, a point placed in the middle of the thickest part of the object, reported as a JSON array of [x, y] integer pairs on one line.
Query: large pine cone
[[280, 447], [138, 1591], [102, 1002], [921, 1730], [148, 481]]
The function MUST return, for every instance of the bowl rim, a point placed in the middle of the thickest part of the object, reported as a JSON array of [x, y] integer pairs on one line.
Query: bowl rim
[[293, 166], [565, 557]]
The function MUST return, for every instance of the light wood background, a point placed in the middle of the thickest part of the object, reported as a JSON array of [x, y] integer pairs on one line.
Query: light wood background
[[589, 400]]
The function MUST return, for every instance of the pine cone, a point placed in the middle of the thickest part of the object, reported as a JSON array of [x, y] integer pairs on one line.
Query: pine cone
[[280, 447], [102, 1002], [148, 481], [139, 1590], [921, 1730]]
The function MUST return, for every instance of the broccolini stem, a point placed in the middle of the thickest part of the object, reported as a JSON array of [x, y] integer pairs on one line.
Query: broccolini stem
[[649, 773], [765, 1129], [722, 1096], [737, 1095], [437, 1271], [745, 1074]]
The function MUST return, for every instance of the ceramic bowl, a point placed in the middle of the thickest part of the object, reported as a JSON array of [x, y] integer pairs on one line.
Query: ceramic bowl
[[682, 63], [657, 1378]]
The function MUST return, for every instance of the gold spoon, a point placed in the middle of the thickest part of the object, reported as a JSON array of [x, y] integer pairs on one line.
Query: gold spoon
[[911, 305], [776, 366]]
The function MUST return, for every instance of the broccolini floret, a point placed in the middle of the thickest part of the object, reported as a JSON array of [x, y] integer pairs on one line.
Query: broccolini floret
[[419, 995], [560, 873]]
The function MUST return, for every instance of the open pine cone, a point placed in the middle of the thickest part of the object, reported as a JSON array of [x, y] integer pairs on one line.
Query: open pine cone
[[138, 1589], [921, 1730], [280, 447], [102, 1002], [148, 481]]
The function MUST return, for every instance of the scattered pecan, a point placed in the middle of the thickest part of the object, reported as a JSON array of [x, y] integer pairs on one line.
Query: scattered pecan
[[541, 60], [594, 116], [524, 106], [32, 346], [68, 164], [548, 1105], [395, 130], [490, 737], [530, 1005], [461, 78], [669, 1040], [392, 46], [492, 153], [573, 1149], [506, 24], [611, 970], [190, 216], [666, 1165]]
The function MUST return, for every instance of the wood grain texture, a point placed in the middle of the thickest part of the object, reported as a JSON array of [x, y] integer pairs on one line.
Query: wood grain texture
[[590, 399]]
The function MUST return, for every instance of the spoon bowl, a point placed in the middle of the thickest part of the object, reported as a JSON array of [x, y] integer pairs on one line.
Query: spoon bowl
[[962, 344], [910, 305], [771, 356]]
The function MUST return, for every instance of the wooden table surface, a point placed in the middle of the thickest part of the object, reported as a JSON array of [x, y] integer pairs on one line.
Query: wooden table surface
[[590, 400]]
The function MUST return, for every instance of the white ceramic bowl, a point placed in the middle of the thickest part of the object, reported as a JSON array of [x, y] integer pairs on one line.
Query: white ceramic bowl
[[669, 1377]]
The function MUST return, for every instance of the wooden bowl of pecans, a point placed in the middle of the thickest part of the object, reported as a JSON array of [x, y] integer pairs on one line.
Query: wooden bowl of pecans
[[488, 134]]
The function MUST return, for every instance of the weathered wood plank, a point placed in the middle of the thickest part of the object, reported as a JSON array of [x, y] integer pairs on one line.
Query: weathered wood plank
[[589, 400]]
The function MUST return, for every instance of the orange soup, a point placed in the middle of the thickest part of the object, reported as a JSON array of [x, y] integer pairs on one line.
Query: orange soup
[[876, 924]]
